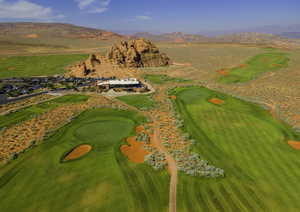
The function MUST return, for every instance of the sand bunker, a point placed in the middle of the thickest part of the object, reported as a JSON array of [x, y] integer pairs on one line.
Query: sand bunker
[[216, 101], [294, 144], [135, 151], [139, 129], [182, 64], [32, 36], [78, 152], [243, 65], [223, 72], [173, 97]]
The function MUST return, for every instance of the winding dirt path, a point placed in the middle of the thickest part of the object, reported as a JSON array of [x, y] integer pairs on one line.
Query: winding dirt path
[[164, 127], [172, 168]]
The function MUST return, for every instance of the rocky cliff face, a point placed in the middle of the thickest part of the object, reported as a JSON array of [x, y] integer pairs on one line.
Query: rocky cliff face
[[137, 53]]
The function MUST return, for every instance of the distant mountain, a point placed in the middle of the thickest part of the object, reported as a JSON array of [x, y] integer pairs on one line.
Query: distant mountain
[[177, 37], [259, 39], [242, 38], [269, 29], [295, 35], [54, 30]]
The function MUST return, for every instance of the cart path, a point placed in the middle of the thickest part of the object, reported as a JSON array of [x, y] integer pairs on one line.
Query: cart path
[[172, 168]]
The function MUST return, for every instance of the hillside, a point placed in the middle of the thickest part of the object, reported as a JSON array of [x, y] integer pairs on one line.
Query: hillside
[[32, 38], [35, 30]]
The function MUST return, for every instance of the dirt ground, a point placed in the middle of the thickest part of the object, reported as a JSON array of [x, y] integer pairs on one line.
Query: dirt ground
[[139, 129], [134, 151], [294, 144], [223, 72], [78, 152]]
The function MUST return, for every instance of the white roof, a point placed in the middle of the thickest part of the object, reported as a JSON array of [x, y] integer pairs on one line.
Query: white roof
[[130, 81]]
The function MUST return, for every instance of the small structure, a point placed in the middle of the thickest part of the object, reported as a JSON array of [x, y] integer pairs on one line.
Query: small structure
[[120, 83]]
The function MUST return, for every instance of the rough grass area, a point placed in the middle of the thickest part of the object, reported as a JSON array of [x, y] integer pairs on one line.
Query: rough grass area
[[257, 65], [262, 170], [26, 66], [161, 79], [142, 102], [29, 112], [103, 180]]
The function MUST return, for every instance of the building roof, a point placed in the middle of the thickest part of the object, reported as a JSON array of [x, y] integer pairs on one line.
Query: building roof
[[130, 81]]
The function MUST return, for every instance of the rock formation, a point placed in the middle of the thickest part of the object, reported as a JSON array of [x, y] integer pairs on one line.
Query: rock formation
[[88, 67], [127, 54], [137, 53]]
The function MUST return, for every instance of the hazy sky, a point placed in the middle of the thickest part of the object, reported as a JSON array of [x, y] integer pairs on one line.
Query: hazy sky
[[155, 15]]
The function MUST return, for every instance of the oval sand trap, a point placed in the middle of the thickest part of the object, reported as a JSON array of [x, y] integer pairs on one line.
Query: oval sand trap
[[216, 101], [78, 152], [294, 144]]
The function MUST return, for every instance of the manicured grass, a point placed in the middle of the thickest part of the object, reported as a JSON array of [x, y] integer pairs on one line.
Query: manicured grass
[[262, 170], [26, 66], [29, 112], [142, 102], [103, 180], [257, 65], [161, 79]]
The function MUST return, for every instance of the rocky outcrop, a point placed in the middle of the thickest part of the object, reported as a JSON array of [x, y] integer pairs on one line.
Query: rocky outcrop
[[125, 55], [137, 53], [87, 68]]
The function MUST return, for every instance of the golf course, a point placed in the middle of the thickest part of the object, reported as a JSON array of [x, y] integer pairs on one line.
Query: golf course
[[101, 180], [270, 61], [262, 170]]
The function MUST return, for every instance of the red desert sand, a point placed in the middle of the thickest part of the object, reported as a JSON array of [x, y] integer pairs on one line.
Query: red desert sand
[[216, 101], [135, 151], [140, 129], [223, 72], [294, 144], [78, 152]]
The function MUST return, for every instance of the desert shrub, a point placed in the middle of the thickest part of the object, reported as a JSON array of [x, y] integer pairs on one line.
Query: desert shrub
[[156, 159], [143, 137], [192, 165]]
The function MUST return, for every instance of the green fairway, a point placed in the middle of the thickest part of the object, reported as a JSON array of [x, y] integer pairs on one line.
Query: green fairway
[[29, 112], [142, 102], [257, 65], [103, 180], [262, 170], [26, 66], [161, 79]]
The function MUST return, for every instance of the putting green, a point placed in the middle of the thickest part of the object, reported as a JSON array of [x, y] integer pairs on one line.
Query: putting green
[[103, 180], [262, 170]]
